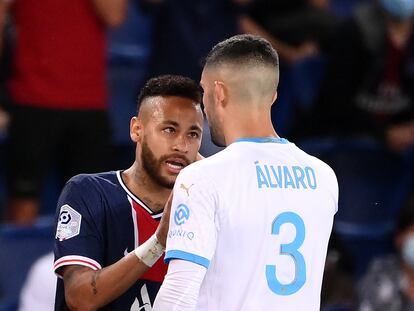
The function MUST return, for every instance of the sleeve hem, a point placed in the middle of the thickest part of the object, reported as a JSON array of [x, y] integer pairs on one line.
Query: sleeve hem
[[177, 254], [75, 260]]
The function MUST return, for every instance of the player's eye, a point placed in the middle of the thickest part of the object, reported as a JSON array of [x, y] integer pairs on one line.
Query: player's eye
[[169, 130], [194, 135]]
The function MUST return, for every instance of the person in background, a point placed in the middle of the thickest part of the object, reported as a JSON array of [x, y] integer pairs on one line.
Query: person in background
[[38, 292], [298, 29], [367, 91], [184, 31], [389, 282], [58, 114]]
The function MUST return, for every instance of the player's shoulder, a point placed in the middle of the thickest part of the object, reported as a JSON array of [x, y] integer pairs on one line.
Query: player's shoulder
[[209, 164], [91, 185], [93, 179], [317, 163]]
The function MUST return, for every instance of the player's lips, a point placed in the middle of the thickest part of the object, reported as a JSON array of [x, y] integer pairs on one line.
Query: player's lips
[[175, 165]]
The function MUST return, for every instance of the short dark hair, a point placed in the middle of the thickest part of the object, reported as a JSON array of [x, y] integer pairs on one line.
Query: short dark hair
[[243, 49], [170, 85]]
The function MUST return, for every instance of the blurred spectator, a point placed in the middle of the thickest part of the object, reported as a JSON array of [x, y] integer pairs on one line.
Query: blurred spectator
[[58, 89], [368, 90], [296, 28], [38, 291], [338, 286], [4, 121], [5, 60], [301, 31], [389, 282], [185, 30]]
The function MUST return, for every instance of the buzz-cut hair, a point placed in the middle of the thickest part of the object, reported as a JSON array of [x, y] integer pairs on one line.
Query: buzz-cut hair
[[243, 50], [170, 85]]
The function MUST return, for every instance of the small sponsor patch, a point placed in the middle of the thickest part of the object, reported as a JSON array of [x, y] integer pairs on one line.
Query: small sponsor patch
[[181, 215], [68, 224]]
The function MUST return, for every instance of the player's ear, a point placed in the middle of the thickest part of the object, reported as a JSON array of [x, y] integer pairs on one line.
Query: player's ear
[[274, 98], [135, 129], [220, 93]]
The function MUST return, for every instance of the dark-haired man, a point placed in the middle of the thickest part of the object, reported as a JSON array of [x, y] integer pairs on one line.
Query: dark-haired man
[[104, 219], [250, 225]]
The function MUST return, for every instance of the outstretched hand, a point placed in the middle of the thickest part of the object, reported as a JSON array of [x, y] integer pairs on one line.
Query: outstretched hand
[[162, 230]]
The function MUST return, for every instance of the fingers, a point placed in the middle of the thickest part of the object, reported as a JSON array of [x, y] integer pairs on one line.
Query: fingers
[[162, 230]]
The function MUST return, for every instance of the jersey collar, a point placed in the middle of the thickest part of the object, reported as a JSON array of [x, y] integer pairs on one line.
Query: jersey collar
[[276, 140], [136, 199]]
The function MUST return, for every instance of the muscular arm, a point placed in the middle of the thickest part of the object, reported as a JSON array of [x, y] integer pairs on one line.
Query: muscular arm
[[111, 12], [87, 289]]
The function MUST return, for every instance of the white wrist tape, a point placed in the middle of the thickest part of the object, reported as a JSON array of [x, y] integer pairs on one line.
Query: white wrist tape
[[150, 251]]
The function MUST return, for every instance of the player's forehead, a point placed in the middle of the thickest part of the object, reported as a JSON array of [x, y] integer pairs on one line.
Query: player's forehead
[[206, 75], [180, 110]]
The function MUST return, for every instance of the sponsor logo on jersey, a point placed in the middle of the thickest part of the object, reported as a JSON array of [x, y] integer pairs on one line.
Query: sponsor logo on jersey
[[181, 215], [69, 223], [186, 189], [181, 233]]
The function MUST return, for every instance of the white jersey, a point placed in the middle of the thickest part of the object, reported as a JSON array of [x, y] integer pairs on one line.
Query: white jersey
[[258, 215]]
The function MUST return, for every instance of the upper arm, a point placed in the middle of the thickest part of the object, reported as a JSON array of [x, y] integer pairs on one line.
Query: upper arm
[[193, 224], [75, 276], [78, 239], [111, 12], [71, 274]]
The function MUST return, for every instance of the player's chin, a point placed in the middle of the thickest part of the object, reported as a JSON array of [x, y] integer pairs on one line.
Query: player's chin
[[168, 180]]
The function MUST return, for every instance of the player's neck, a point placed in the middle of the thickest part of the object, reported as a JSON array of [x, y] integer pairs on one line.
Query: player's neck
[[145, 188], [251, 126]]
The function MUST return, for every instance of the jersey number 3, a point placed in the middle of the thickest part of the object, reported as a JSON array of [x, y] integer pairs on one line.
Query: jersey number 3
[[290, 249]]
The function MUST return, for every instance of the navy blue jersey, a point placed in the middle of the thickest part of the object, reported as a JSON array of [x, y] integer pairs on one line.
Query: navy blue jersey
[[98, 222]]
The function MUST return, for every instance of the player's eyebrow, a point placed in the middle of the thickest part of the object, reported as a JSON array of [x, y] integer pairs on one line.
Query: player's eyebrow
[[193, 127], [170, 122], [196, 128]]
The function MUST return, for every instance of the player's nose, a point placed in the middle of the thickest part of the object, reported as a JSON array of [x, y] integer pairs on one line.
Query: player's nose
[[181, 144]]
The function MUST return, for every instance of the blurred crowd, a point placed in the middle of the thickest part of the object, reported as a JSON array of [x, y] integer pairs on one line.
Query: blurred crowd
[[70, 72]]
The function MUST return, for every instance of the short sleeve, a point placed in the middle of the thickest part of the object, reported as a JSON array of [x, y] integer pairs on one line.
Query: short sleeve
[[78, 239], [193, 228]]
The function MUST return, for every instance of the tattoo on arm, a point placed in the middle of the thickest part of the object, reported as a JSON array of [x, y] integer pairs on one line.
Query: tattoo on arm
[[95, 277]]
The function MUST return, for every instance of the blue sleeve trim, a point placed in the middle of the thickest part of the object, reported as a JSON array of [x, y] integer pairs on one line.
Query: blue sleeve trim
[[175, 254]]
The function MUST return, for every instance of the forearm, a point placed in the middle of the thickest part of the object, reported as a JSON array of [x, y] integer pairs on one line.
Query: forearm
[[111, 12], [248, 25], [87, 289], [181, 286]]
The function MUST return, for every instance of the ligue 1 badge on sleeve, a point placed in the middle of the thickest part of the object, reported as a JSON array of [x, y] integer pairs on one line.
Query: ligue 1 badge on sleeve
[[68, 224]]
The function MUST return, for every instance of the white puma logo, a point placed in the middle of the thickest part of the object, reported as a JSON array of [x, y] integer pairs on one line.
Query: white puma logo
[[187, 189]]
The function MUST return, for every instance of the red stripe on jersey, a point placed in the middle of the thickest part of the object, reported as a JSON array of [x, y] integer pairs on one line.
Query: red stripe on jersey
[[146, 227], [74, 261]]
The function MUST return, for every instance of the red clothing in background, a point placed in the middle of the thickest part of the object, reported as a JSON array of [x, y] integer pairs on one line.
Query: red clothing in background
[[59, 56]]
